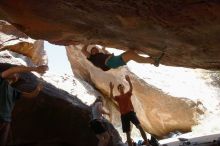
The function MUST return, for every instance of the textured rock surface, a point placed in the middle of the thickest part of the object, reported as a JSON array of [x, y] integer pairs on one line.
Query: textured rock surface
[[190, 29], [159, 113], [14, 40], [54, 118]]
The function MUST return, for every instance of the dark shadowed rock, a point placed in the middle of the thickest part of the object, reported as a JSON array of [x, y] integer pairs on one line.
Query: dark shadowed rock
[[53, 118], [189, 29]]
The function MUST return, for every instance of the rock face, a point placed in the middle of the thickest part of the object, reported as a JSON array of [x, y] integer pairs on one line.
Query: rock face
[[189, 29], [14, 40], [159, 113], [53, 118]]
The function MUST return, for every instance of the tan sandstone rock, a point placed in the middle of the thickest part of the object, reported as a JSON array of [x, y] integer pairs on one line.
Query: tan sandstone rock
[[188, 28], [14, 40], [159, 113]]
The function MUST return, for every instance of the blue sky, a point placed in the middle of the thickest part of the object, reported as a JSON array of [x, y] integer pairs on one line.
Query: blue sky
[[57, 59]]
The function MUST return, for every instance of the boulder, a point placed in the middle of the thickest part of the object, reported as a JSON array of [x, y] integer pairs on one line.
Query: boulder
[[189, 30], [53, 118], [158, 112], [14, 40]]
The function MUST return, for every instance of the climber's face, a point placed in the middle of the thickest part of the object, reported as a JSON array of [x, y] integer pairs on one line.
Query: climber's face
[[121, 88], [94, 50]]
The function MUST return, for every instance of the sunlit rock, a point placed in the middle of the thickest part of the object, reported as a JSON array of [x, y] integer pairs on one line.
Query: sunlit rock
[[14, 40], [158, 112]]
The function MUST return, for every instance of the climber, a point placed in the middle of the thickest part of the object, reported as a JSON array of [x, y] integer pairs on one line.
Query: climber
[[127, 111], [97, 122], [107, 61], [9, 95]]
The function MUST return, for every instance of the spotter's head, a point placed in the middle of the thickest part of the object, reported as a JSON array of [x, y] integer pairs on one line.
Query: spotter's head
[[121, 88]]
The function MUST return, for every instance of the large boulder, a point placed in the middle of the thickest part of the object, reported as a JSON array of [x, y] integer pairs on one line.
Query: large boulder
[[53, 118], [158, 112], [189, 29]]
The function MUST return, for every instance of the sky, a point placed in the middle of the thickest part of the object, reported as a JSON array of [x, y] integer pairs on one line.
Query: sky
[[57, 59]]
